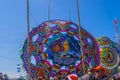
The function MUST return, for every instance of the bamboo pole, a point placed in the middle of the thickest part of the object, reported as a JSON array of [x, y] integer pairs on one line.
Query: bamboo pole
[[48, 9], [28, 30], [80, 35]]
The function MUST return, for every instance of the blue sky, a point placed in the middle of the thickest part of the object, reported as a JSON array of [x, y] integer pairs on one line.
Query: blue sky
[[96, 17]]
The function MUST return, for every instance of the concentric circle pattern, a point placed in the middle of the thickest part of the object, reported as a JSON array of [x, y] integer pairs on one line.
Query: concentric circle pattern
[[108, 53]]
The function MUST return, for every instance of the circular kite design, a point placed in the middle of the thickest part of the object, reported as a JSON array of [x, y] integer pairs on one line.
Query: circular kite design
[[109, 53], [55, 47], [109, 58]]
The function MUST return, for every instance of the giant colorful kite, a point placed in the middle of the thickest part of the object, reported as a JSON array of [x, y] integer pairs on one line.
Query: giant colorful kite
[[55, 46]]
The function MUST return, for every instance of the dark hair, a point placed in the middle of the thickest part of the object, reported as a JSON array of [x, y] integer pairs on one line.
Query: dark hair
[[66, 78], [97, 71], [40, 78]]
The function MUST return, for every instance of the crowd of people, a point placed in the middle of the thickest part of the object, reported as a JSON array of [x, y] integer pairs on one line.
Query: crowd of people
[[98, 73]]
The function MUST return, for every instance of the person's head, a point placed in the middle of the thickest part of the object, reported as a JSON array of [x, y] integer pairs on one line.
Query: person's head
[[99, 71], [90, 70], [40, 78]]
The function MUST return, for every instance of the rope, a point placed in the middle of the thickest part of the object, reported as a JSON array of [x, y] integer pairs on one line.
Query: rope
[[79, 26], [69, 16], [33, 18]]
